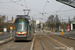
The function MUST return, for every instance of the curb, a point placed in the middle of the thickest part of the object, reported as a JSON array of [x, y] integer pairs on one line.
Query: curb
[[5, 41], [32, 45], [65, 37], [71, 38]]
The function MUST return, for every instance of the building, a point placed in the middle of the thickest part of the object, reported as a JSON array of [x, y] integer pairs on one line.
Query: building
[[73, 25], [37, 22]]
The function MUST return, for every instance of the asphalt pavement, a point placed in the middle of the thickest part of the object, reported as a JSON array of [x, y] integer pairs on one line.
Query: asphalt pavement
[[47, 41], [20, 45]]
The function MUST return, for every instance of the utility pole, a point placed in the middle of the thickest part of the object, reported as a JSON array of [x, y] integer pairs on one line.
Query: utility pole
[[62, 23], [33, 24], [7, 23], [69, 20]]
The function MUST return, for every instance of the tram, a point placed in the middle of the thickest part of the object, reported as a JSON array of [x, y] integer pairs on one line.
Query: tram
[[23, 28]]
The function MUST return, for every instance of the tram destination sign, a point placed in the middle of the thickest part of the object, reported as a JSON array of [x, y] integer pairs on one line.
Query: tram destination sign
[[68, 2], [21, 19]]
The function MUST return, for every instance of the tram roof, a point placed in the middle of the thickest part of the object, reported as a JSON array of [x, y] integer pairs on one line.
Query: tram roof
[[23, 16]]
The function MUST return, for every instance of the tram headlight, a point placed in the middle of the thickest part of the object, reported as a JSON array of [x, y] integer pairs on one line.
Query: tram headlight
[[16, 32], [25, 32]]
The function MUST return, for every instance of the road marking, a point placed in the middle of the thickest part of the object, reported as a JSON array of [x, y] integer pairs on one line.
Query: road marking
[[57, 41], [32, 45]]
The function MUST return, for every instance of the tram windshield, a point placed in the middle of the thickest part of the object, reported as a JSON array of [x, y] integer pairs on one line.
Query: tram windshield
[[21, 26]]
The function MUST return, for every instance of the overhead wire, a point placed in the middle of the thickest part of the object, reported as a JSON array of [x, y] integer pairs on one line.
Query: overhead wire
[[7, 9], [61, 7], [15, 1], [7, 14], [42, 14], [11, 7], [5, 2], [25, 6], [25, 3], [45, 6]]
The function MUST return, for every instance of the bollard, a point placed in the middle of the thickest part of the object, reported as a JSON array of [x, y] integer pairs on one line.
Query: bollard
[[11, 34], [62, 32]]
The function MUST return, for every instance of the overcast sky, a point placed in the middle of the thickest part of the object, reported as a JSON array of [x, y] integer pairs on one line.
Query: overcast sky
[[10, 9]]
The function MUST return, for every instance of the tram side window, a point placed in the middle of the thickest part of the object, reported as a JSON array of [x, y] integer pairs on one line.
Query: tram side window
[[30, 28]]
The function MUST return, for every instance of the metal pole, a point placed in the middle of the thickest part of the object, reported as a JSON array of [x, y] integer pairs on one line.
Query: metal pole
[[32, 24], [69, 25], [69, 21], [7, 23]]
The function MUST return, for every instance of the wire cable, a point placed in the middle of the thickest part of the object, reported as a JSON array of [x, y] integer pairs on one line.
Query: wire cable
[[25, 6], [25, 3], [7, 14], [15, 1], [61, 7], [11, 7], [8, 9], [45, 5]]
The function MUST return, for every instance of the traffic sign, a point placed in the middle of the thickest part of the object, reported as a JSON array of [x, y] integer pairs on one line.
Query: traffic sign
[[5, 29], [11, 27], [68, 28]]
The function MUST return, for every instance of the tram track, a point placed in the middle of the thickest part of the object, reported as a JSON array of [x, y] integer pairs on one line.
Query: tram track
[[16, 46], [56, 40], [48, 42], [43, 39], [52, 42], [40, 42], [23, 46], [10, 44]]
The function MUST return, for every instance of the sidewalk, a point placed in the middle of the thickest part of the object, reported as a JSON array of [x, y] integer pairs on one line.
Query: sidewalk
[[1, 32], [66, 34], [5, 41]]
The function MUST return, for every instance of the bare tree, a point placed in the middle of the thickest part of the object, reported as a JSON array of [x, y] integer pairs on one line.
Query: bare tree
[[2, 23], [74, 18], [2, 18], [57, 21], [50, 21]]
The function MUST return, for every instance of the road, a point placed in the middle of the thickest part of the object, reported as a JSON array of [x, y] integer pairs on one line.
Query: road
[[42, 41], [47, 41], [20, 45]]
